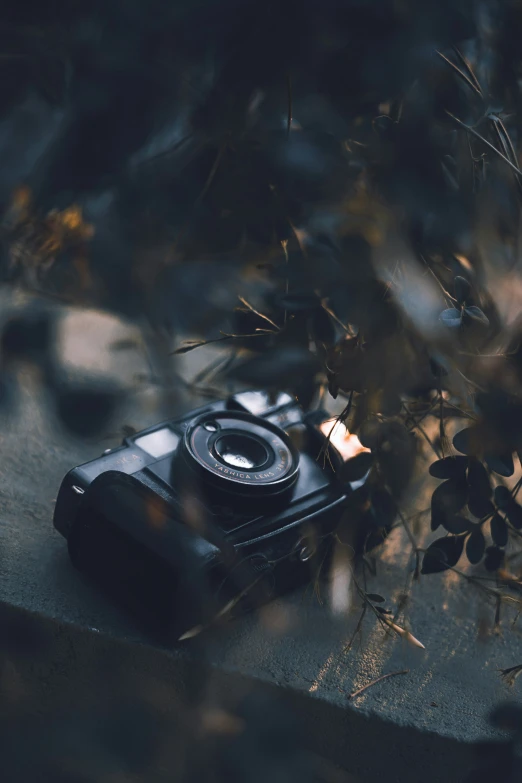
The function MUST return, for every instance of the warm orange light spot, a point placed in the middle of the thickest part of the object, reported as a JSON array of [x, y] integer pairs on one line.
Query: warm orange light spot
[[347, 444], [72, 220], [464, 261]]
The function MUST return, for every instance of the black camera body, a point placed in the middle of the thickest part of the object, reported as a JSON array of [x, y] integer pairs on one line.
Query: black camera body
[[215, 511]]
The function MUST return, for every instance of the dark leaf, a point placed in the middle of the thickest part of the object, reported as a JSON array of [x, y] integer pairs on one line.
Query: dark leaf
[[383, 509], [395, 454], [503, 465], [467, 441], [462, 289], [447, 500], [478, 479], [437, 370], [391, 405], [370, 432], [345, 362], [442, 553], [451, 318], [503, 413], [449, 468], [480, 506], [357, 467], [514, 514], [494, 558], [499, 530], [475, 546], [503, 497], [375, 597], [333, 387], [322, 327], [458, 524], [476, 315]]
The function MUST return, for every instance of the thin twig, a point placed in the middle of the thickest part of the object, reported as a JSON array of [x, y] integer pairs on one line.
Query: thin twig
[[385, 621], [191, 346], [490, 591], [196, 630], [335, 318], [421, 429], [261, 315], [447, 294], [213, 172], [468, 67], [374, 682], [501, 138], [357, 629], [516, 488], [461, 74], [339, 419], [460, 410], [505, 142], [499, 122], [484, 141]]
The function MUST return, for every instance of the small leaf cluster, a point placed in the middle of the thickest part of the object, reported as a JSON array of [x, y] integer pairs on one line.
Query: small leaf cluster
[[462, 505], [464, 315]]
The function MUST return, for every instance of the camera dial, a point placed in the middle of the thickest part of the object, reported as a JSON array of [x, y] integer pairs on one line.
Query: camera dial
[[241, 454]]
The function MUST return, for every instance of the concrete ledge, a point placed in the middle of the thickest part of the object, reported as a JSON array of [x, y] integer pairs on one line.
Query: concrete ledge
[[58, 702]]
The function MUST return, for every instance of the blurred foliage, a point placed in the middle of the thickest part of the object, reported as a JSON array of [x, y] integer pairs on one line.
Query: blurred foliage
[[35, 241], [351, 170]]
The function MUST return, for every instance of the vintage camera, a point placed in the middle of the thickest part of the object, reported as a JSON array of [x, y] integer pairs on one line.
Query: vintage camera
[[213, 512]]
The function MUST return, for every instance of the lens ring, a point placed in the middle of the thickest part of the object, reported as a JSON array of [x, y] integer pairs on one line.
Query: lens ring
[[274, 459], [242, 451]]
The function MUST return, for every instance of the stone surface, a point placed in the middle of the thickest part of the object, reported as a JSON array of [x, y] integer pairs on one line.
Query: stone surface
[[410, 727]]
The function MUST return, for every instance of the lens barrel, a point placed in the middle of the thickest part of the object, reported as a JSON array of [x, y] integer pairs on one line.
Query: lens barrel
[[240, 454]]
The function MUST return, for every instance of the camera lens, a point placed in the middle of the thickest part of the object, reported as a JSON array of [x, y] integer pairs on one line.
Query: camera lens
[[241, 451], [240, 454]]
